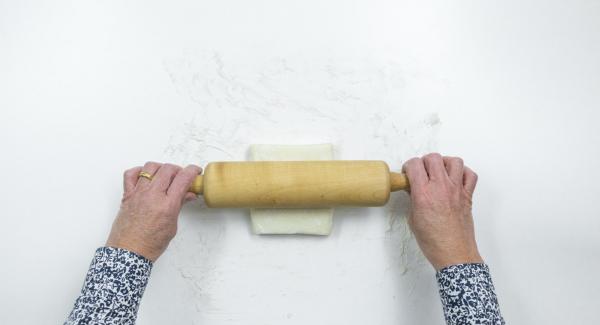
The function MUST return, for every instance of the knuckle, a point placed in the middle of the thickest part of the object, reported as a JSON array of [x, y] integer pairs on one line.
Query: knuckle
[[194, 169], [150, 164], [471, 173], [432, 156], [170, 166], [413, 161]]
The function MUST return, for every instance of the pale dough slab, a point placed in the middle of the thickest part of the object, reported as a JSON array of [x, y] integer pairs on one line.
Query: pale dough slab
[[291, 221]]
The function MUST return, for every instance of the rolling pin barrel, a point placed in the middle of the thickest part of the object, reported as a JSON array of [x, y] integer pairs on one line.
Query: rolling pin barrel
[[297, 184]]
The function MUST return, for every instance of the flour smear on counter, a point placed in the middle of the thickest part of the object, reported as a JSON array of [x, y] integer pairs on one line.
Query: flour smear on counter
[[369, 109]]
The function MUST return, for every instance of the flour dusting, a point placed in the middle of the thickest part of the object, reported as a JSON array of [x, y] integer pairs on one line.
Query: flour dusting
[[368, 109]]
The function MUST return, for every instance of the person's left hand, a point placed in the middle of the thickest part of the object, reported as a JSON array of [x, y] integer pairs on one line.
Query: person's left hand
[[147, 220]]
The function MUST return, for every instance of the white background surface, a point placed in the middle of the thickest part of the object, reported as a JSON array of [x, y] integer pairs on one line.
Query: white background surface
[[90, 88]]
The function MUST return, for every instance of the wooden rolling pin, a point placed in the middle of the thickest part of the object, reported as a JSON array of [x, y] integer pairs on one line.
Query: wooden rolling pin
[[297, 184]]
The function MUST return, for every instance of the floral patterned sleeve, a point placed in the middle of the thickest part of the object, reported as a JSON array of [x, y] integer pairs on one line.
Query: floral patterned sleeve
[[113, 288], [468, 295]]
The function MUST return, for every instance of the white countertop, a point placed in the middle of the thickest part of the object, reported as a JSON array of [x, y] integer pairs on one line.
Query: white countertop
[[88, 89]]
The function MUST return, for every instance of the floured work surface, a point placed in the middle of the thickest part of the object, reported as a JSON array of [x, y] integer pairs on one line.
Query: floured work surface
[[291, 221]]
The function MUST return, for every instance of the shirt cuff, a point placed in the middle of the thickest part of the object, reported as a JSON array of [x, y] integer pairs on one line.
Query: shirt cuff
[[113, 287], [468, 294]]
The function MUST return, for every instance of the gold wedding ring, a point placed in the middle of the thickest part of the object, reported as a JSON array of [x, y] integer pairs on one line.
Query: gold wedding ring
[[145, 175]]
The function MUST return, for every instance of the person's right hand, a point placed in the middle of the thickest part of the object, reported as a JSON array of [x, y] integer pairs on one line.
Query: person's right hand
[[441, 189]]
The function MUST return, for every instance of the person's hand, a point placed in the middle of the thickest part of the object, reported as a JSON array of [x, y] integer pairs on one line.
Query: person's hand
[[441, 189], [147, 220]]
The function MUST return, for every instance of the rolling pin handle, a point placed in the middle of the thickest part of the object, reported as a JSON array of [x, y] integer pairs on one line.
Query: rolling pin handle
[[398, 181], [197, 185]]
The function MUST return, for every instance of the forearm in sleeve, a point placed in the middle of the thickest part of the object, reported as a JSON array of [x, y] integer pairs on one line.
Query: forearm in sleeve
[[468, 295], [113, 288]]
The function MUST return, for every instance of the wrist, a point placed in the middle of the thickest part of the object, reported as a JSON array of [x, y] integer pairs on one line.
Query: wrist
[[134, 247], [454, 259]]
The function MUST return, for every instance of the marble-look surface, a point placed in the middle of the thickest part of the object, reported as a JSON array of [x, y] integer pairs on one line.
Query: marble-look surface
[[88, 89]]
